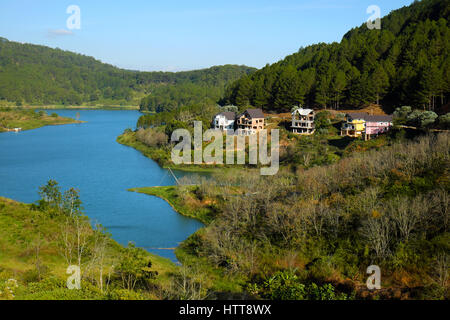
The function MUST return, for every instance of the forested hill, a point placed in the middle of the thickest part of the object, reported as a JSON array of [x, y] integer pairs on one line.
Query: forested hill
[[200, 87], [34, 74], [405, 62]]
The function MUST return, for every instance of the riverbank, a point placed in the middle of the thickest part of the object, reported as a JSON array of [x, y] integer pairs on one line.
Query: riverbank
[[20, 120], [183, 201], [80, 107], [162, 155], [194, 202]]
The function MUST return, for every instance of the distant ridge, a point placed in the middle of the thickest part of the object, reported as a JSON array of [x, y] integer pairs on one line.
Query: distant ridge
[[36, 74]]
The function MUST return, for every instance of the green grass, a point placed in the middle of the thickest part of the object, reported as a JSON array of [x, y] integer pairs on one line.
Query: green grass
[[171, 194], [22, 228], [29, 119]]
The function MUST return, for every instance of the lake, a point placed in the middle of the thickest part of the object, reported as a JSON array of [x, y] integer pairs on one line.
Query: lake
[[87, 157]]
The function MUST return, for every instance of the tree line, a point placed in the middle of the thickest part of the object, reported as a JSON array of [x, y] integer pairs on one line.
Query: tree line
[[202, 87]]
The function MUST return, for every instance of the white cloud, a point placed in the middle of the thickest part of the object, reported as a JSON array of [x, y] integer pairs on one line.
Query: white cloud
[[59, 32]]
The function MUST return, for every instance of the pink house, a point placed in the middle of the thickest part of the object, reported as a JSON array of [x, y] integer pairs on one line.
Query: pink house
[[376, 124]]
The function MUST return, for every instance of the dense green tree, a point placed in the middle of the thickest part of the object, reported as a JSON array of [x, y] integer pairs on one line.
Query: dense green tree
[[34, 74], [379, 81], [338, 84], [407, 62], [429, 84], [289, 89], [51, 194], [243, 93]]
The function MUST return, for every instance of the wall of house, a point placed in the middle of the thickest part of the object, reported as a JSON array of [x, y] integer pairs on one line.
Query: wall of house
[[357, 124], [224, 122], [377, 127]]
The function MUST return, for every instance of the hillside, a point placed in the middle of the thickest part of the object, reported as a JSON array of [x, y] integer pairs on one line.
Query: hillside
[[39, 241], [34, 74], [302, 234], [406, 62]]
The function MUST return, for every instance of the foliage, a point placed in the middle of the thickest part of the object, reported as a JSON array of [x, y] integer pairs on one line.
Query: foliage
[[417, 118], [422, 119], [387, 207], [286, 285], [322, 120], [134, 267], [202, 87], [444, 121], [182, 117], [406, 62], [151, 137], [41, 75]]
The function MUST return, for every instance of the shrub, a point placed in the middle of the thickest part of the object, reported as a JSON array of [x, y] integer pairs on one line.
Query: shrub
[[444, 121], [286, 286], [421, 119], [152, 137], [134, 267], [322, 120]]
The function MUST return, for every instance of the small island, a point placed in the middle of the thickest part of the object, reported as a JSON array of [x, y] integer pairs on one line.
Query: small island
[[21, 119]]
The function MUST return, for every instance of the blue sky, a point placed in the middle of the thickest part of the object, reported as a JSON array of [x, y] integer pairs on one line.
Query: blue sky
[[173, 35]]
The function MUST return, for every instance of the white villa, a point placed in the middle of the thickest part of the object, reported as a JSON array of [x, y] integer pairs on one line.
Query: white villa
[[303, 121], [224, 121]]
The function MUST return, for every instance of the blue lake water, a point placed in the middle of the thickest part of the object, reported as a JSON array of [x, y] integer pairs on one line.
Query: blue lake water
[[87, 157]]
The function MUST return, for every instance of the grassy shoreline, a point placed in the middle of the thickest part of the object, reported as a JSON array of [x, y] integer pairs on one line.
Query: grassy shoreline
[[28, 120], [199, 212], [162, 156]]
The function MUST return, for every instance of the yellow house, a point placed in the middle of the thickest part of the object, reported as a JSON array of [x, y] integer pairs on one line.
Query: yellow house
[[354, 124]]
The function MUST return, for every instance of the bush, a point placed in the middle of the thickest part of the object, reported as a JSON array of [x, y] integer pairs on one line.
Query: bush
[[134, 268], [421, 119], [401, 113], [286, 286], [152, 137], [322, 120], [444, 121], [123, 294]]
